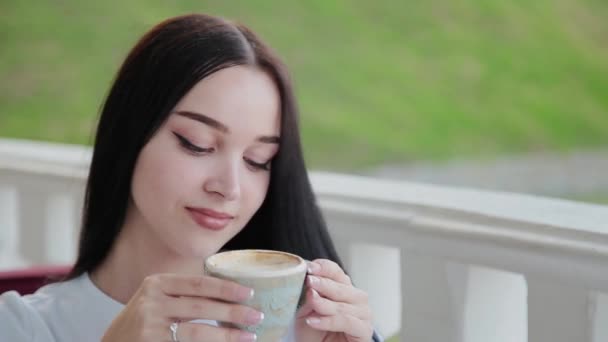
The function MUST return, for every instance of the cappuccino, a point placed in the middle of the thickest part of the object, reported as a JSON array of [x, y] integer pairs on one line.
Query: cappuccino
[[254, 262], [277, 279]]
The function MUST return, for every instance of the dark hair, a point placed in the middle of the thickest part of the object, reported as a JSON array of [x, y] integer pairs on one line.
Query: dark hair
[[164, 65]]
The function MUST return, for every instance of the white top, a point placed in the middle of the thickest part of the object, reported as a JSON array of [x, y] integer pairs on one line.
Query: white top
[[74, 310]]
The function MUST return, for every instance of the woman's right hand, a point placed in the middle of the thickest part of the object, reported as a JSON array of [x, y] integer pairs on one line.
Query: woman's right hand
[[165, 298]]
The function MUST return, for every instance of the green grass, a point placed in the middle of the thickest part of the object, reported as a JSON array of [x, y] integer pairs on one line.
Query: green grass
[[393, 339], [596, 198], [377, 81]]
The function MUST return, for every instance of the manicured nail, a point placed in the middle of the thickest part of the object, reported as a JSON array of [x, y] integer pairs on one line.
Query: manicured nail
[[313, 267], [313, 321], [254, 317], [312, 280], [248, 337], [245, 293]]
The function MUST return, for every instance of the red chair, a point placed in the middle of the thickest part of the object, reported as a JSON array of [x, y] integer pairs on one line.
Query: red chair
[[28, 280]]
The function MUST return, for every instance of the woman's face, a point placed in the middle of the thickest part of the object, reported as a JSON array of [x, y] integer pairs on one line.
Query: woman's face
[[205, 172]]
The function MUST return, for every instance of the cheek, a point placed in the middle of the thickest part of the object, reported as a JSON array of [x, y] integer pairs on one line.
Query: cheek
[[161, 179], [256, 190]]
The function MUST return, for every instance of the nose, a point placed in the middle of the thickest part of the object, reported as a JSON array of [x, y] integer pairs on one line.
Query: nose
[[224, 180]]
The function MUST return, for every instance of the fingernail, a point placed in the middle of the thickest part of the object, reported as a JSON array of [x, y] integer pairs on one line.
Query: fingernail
[[312, 280], [313, 267], [245, 293], [254, 317], [315, 294], [313, 321], [248, 337]]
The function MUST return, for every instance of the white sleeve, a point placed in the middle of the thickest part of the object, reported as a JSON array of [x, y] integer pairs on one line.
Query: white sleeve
[[15, 318]]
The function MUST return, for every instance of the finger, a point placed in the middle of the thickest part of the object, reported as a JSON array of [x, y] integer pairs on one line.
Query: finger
[[199, 286], [194, 332], [306, 308], [328, 269], [336, 291], [191, 308], [326, 307], [349, 325]]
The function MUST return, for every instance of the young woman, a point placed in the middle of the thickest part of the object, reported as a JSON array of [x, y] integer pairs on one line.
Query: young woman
[[197, 150]]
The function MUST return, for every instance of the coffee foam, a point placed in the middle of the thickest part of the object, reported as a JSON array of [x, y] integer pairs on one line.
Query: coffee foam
[[255, 262]]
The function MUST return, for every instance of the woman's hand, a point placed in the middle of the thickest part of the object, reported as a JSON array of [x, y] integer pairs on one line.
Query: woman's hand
[[165, 298], [334, 310]]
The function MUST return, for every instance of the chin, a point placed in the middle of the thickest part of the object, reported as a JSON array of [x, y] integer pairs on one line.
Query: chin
[[199, 249]]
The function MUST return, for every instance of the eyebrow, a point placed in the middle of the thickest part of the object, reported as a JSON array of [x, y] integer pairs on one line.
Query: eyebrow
[[267, 139]]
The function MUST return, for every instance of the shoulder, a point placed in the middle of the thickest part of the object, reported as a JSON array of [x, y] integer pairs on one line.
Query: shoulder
[[15, 318], [24, 318]]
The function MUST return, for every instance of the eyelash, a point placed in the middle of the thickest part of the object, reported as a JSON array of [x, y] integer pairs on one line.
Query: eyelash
[[185, 143], [197, 151], [258, 166]]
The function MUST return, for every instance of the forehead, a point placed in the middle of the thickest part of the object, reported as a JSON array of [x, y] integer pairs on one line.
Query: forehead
[[241, 97]]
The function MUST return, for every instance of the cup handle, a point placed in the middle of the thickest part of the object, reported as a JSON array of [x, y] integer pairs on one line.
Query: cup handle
[[302, 299]]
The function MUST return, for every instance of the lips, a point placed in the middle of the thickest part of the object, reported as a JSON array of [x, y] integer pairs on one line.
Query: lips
[[210, 219]]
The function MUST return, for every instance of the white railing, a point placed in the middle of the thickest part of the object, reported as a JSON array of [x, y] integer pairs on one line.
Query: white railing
[[441, 264]]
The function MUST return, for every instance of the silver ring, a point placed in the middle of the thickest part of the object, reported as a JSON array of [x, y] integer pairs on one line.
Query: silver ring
[[173, 327]]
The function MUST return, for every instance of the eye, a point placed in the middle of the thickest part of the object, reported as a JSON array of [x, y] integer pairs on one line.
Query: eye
[[190, 147], [258, 166]]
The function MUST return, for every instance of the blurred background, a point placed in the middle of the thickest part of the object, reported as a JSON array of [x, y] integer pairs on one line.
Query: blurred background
[[508, 95], [502, 95]]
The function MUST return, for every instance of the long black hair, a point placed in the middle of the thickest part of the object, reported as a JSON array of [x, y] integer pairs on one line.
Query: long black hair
[[162, 67]]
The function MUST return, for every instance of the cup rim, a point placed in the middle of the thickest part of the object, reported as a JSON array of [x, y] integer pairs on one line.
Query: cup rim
[[210, 266]]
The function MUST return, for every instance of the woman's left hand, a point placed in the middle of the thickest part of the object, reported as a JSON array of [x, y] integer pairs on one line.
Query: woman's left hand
[[334, 310]]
